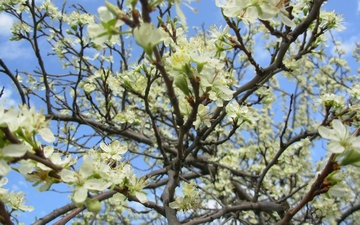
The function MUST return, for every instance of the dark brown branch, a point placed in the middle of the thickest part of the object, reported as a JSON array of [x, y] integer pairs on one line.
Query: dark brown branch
[[245, 206], [4, 215], [13, 78], [167, 197], [109, 129], [39, 57], [145, 11], [241, 193], [348, 212], [317, 188], [187, 176], [101, 197]]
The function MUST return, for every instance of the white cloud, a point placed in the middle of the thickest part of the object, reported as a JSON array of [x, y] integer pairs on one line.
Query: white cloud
[[358, 8], [13, 50], [6, 99], [260, 54], [20, 186], [22, 183], [14, 187], [6, 22], [348, 44]]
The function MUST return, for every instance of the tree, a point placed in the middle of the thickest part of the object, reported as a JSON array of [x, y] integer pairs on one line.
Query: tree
[[193, 128]]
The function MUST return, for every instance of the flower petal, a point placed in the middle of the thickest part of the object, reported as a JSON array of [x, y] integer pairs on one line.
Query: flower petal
[[105, 147], [340, 128], [4, 168], [141, 196], [119, 198], [180, 13], [338, 190], [174, 205], [355, 143], [15, 150], [285, 19], [80, 194], [68, 175], [105, 14], [335, 147], [95, 30], [96, 184], [47, 135], [3, 181], [328, 133]]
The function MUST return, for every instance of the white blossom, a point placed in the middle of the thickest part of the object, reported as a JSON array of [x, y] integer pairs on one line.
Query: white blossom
[[107, 28], [340, 138], [113, 150], [10, 151], [83, 180], [148, 37]]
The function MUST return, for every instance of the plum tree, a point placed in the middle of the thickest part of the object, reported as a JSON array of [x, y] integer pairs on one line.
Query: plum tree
[[149, 122]]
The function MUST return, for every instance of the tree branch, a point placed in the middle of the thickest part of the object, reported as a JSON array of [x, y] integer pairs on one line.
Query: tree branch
[[317, 188]]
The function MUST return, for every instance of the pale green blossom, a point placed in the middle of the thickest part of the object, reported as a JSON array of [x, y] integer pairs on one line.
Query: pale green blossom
[[113, 150], [136, 186], [107, 29], [10, 151], [16, 201], [251, 10], [148, 37], [190, 200], [340, 138], [89, 87], [83, 180], [332, 100], [332, 20], [51, 9], [240, 113], [33, 122]]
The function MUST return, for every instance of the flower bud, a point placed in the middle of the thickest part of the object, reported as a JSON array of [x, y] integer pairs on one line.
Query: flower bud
[[93, 205]]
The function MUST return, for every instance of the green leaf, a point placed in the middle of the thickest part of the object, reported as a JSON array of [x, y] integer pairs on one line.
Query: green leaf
[[351, 157], [181, 83]]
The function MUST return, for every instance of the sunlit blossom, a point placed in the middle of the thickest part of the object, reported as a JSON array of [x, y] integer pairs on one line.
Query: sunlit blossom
[[340, 138], [107, 28], [148, 37], [83, 180]]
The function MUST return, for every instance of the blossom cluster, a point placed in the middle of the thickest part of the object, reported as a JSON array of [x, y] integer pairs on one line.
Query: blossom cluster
[[251, 10], [14, 200], [346, 148], [240, 114], [190, 200], [192, 61], [23, 124], [100, 170]]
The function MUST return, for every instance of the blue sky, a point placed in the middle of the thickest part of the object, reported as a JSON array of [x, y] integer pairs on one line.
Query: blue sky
[[18, 55]]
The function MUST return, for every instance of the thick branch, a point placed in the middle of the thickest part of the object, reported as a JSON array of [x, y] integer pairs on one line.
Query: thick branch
[[101, 197], [348, 213], [109, 129], [260, 206], [317, 188], [167, 197], [4, 215]]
